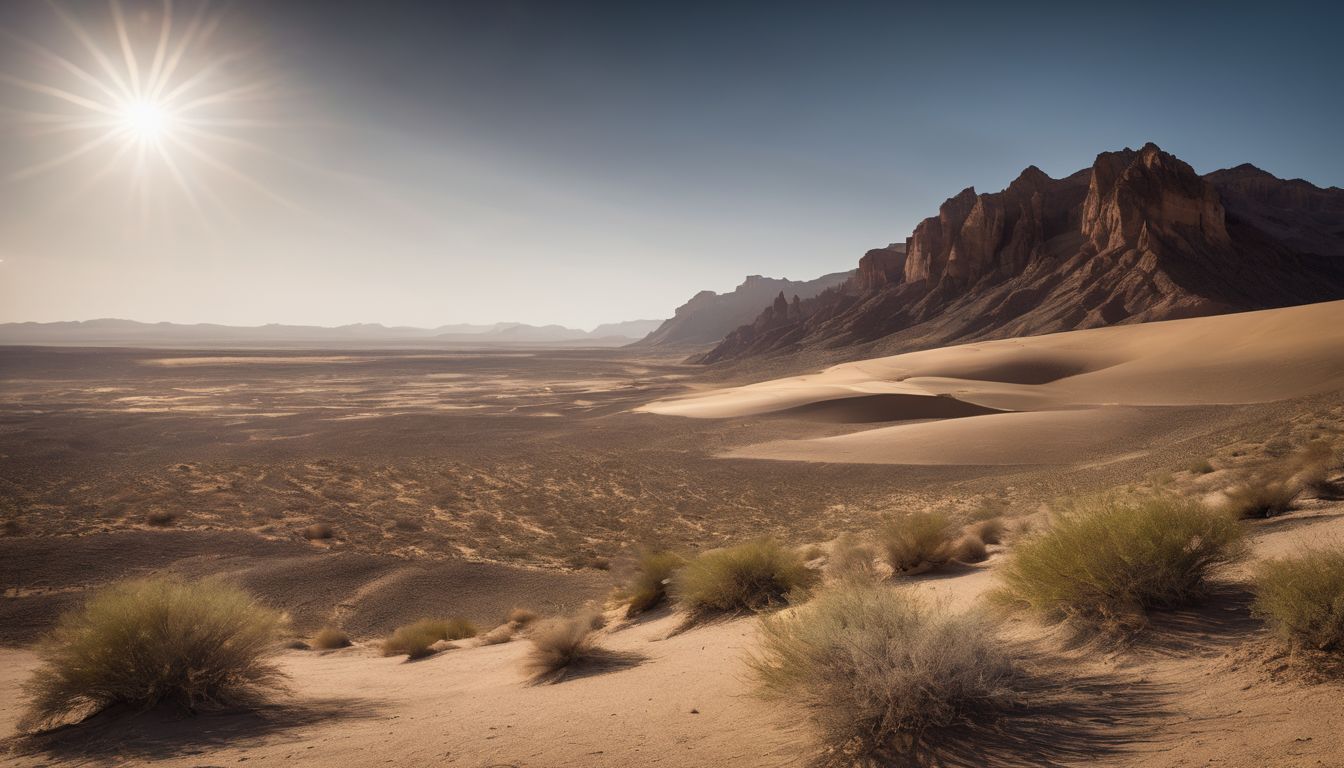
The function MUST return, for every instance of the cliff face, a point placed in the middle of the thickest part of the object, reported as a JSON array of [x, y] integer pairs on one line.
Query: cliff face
[[709, 316], [1137, 237]]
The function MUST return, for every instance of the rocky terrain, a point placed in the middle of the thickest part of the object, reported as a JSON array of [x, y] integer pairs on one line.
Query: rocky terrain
[[1139, 236], [710, 316]]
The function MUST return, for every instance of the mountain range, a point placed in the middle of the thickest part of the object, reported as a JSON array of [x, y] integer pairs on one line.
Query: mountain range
[[1139, 236], [708, 316]]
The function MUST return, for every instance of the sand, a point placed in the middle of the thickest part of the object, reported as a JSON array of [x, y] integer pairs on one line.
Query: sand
[[1070, 394]]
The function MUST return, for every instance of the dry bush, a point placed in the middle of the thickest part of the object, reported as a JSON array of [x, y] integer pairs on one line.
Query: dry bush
[[330, 639], [1302, 599], [521, 617], [988, 531], [653, 576], [1200, 467], [852, 559], [499, 635], [1262, 496], [918, 541], [565, 647], [878, 671], [416, 640], [1107, 561], [318, 531], [196, 645], [747, 577], [969, 549]]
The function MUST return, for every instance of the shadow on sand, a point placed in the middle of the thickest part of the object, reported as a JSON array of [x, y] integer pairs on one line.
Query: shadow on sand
[[121, 737]]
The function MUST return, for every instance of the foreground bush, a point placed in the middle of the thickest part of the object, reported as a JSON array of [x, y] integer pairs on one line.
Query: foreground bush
[[1302, 599], [565, 647], [918, 541], [747, 577], [1108, 561], [648, 589], [196, 645], [877, 669], [415, 640]]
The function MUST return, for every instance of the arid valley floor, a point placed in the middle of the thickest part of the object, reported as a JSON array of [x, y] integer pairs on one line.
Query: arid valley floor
[[369, 489]]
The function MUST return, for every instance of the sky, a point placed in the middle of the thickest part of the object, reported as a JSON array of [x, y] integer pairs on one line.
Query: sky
[[337, 161]]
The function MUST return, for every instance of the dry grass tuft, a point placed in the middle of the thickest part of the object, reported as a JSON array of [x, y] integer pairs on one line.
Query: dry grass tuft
[[160, 518], [648, 589], [318, 531], [499, 635], [417, 640], [565, 647], [330, 638], [1107, 561], [747, 577], [852, 559], [988, 531], [969, 549], [196, 645], [1262, 497], [1302, 599], [918, 542], [877, 670], [521, 617]]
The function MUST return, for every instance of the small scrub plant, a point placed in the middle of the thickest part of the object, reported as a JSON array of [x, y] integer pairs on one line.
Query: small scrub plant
[[852, 559], [521, 617], [1201, 467], [1107, 561], [917, 542], [987, 531], [330, 638], [318, 531], [1301, 598], [566, 647], [969, 549], [416, 640], [648, 589], [140, 644], [160, 518], [1262, 496], [748, 577], [878, 671]]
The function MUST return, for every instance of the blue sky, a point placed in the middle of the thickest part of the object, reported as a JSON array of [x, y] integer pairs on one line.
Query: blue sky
[[426, 163]]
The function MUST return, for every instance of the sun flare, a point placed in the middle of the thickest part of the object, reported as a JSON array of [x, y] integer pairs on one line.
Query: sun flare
[[146, 121]]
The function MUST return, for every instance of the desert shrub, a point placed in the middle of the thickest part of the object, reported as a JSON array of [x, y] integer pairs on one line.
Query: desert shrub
[[1200, 467], [852, 559], [877, 669], [648, 588], [969, 549], [1108, 560], [747, 577], [1262, 496], [415, 640], [521, 617], [499, 635], [988, 531], [196, 645], [812, 552], [918, 541], [1302, 598], [160, 518], [330, 638], [564, 647]]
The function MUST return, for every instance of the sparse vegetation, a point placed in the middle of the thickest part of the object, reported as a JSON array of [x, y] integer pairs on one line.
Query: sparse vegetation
[[195, 645], [852, 559], [415, 640], [330, 639], [318, 531], [1201, 467], [499, 635], [878, 670], [988, 531], [1302, 599], [918, 541], [969, 549], [747, 577], [648, 589], [1108, 561], [1262, 496], [160, 518], [521, 617], [565, 647]]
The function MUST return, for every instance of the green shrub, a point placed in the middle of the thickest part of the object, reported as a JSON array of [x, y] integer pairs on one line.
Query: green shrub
[[648, 589], [918, 541], [1108, 561], [330, 638], [747, 577], [415, 640], [877, 669], [1302, 598], [196, 645]]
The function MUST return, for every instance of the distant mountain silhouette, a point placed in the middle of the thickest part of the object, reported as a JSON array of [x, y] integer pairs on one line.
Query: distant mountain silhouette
[[112, 332], [709, 316], [1137, 237]]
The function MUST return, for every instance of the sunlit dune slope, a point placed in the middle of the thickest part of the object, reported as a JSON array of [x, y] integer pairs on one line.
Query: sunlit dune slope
[[1056, 393]]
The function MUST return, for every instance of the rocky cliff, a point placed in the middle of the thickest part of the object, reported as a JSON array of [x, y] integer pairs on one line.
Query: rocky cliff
[[709, 316], [1139, 236]]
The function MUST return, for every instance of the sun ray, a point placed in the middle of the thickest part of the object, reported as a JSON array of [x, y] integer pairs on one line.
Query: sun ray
[[92, 47], [127, 51], [47, 165], [161, 49], [234, 173], [193, 31], [64, 63]]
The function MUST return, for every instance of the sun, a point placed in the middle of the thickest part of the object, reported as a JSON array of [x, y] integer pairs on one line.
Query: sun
[[145, 121]]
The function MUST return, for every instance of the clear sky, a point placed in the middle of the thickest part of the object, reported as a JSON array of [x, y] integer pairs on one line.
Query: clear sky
[[338, 161]]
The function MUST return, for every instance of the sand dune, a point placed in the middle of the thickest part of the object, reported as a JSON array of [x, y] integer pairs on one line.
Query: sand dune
[[1070, 391]]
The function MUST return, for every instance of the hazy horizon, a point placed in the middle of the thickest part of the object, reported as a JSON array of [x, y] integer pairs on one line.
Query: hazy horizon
[[425, 164]]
